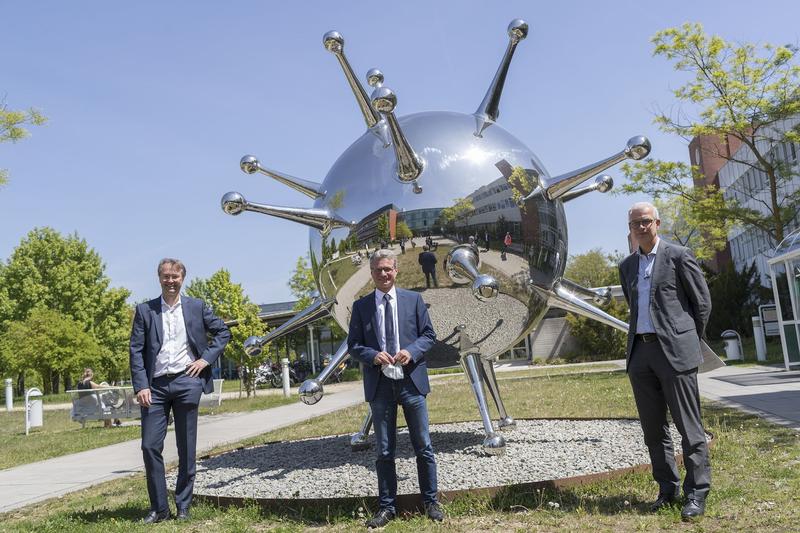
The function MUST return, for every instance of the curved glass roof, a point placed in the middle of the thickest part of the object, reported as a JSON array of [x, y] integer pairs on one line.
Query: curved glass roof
[[790, 243]]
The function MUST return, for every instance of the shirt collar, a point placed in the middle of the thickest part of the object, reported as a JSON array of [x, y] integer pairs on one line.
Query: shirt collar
[[652, 252], [165, 306], [379, 295]]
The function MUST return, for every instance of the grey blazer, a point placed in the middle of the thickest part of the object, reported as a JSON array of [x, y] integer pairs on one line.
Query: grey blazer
[[680, 303]]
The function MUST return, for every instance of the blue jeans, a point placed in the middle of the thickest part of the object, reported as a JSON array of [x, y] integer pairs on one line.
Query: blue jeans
[[389, 395]]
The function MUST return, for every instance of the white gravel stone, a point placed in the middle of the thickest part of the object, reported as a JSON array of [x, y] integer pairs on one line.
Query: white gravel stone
[[325, 467]]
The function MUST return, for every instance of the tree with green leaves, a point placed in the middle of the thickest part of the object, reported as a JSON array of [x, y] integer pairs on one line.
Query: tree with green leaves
[[747, 98], [48, 343], [228, 301], [458, 213], [13, 127], [65, 275], [383, 227], [302, 284], [403, 231], [735, 297], [597, 341]]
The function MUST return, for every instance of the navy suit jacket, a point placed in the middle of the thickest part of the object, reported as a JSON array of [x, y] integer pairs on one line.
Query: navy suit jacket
[[428, 261], [148, 333], [416, 336]]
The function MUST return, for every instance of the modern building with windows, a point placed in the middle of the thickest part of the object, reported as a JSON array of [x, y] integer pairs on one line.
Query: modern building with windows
[[732, 166]]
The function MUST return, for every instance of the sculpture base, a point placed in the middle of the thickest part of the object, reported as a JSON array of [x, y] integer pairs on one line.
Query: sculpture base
[[324, 471]]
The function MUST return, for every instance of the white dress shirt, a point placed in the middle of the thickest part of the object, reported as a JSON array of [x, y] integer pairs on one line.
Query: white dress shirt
[[175, 354], [644, 323], [394, 371]]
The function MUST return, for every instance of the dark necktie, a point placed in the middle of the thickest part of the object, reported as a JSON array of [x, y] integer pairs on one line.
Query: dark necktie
[[388, 325]]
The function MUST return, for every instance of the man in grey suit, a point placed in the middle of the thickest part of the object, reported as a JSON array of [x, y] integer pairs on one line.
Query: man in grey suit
[[171, 358], [670, 304]]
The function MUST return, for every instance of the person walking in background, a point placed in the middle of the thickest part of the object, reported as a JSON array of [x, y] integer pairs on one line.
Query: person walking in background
[[174, 341], [506, 245], [670, 305], [390, 331], [427, 260]]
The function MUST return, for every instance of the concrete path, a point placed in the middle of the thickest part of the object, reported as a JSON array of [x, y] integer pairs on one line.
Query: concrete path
[[35, 482], [768, 392]]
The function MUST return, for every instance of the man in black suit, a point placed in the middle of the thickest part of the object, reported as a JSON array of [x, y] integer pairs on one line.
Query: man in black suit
[[390, 331], [171, 360], [670, 305], [428, 261]]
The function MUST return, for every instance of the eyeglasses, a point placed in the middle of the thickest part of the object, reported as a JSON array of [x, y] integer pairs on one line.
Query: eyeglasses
[[642, 222]]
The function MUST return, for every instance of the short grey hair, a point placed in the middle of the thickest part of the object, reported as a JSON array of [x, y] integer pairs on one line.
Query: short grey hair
[[170, 261], [382, 254], [644, 205]]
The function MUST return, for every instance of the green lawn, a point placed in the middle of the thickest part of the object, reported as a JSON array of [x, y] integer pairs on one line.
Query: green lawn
[[756, 471]]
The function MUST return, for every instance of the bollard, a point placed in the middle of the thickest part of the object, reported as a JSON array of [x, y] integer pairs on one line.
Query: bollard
[[33, 409], [285, 372], [9, 396], [761, 341]]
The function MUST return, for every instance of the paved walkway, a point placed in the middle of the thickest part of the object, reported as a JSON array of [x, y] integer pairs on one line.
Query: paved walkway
[[35, 482], [768, 392], [765, 391]]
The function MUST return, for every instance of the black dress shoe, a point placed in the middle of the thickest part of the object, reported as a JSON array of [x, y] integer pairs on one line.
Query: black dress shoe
[[434, 511], [183, 514], [694, 508], [662, 501], [154, 517], [381, 518]]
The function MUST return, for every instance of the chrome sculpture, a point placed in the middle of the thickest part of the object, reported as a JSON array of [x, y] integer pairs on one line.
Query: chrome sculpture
[[411, 168]]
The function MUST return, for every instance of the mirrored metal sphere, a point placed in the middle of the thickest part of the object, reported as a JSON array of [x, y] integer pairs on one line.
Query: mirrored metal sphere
[[249, 164], [518, 29], [471, 187], [233, 203], [333, 42]]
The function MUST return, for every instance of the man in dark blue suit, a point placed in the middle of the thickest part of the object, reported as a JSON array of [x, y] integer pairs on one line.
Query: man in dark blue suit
[[428, 261], [171, 359], [390, 331]]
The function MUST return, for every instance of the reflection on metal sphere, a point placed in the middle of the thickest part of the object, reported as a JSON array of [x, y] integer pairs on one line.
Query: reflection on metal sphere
[[459, 182], [233, 203]]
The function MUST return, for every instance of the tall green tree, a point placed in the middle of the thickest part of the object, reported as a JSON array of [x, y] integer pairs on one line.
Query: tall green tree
[[302, 284], [597, 341], [594, 268], [735, 297], [383, 227], [13, 127], [403, 231], [229, 302], [744, 95], [48, 343], [459, 212], [63, 274]]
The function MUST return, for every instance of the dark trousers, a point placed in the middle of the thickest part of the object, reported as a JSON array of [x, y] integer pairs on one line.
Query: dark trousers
[[389, 395], [428, 276], [657, 387], [181, 394]]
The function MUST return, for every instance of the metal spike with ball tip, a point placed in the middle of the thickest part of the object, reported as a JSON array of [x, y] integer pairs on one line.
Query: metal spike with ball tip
[[411, 168]]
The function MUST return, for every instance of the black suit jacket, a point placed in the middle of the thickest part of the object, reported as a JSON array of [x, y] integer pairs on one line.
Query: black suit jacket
[[680, 303], [147, 335], [428, 261]]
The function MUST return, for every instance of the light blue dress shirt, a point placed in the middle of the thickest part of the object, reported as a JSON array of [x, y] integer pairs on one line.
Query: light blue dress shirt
[[644, 324]]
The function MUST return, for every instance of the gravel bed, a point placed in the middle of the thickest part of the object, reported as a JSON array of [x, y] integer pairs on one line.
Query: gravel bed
[[324, 467]]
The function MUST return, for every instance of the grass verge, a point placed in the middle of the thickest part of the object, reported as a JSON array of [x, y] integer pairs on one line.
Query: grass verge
[[755, 469]]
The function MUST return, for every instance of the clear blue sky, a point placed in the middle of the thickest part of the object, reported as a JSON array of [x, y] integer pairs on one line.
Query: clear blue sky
[[151, 105]]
